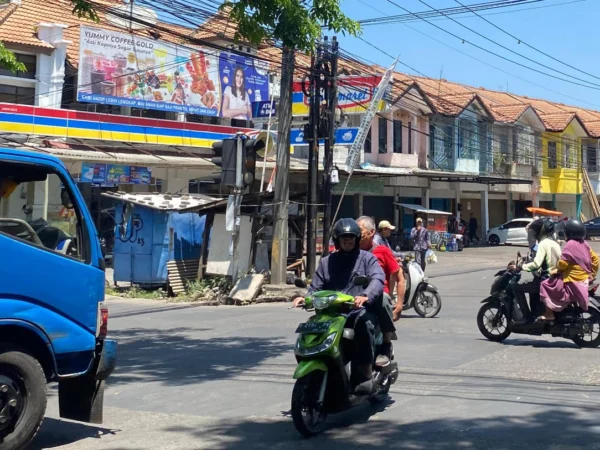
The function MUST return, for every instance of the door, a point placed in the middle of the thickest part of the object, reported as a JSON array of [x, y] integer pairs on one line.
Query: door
[[512, 235], [517, 233]]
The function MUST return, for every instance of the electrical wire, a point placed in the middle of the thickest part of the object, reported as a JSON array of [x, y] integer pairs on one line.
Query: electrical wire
[[521, 41], [590, 85]]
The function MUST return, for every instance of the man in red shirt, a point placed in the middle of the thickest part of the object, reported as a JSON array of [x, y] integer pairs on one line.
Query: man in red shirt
[[394, 280]]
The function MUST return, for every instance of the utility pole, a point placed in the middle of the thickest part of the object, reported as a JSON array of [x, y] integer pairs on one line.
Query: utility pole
[[237, 194], [282, 187], [313, 161], [332, 53]]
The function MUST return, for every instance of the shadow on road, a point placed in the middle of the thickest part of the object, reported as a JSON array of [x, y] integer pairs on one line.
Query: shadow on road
[[56, 433], [551, 429], [177, 356]]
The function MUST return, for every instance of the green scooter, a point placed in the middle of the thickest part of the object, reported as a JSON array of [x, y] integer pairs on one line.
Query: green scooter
[[324, 352]]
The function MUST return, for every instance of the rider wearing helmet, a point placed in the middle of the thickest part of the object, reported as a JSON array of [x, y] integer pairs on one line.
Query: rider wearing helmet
[[548, 251], [336, 272], [546, 257], [577, 266]]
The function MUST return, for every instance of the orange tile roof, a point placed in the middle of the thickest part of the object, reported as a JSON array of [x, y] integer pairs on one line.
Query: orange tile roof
[[18, 22]]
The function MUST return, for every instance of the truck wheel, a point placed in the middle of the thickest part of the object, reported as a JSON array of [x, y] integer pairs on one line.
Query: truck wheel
[[22, 398]]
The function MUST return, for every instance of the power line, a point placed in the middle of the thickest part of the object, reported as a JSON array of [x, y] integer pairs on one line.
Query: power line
[[448, 11], [521, 41], [593, 85]]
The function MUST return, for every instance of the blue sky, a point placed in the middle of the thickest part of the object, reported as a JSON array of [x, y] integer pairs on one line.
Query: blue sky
[[566, 31]]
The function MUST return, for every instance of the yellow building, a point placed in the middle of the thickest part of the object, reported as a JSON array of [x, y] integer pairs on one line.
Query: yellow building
[[561, 163]]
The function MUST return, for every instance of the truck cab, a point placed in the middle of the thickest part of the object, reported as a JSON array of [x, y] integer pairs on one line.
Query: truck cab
[[53, 322]]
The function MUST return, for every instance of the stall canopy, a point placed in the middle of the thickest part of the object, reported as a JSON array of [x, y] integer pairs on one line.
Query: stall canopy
[[422, 209], [544, 211]]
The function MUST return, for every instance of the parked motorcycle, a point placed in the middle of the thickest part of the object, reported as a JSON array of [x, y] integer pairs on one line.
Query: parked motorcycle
[[419, 294], [507, 311], [324, 351]]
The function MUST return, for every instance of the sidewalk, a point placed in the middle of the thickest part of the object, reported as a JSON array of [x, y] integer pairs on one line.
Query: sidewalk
[[472, 260]]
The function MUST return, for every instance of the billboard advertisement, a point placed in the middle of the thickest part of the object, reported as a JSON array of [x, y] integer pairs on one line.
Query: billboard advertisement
[[355, 94], [126, 70], [114, 174]]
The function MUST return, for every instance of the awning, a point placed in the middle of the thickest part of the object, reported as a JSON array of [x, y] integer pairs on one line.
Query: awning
[[168, 202], [469, 178], [422, 209]]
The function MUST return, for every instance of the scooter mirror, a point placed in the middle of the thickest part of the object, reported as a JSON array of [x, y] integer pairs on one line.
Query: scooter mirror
[[361, 281], [519, 255], [300, 283]]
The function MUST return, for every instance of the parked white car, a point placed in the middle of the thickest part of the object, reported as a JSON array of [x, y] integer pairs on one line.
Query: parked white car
[[512, 232]]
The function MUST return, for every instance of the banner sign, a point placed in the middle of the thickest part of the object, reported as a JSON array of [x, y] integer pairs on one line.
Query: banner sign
[[355, 94], [126, 70], [263, 109], [343, 136], [114, 174], [365, 124]]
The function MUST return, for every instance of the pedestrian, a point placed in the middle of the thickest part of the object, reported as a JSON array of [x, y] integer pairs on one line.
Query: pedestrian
[[384, 231], [472, 227], [420, 237]]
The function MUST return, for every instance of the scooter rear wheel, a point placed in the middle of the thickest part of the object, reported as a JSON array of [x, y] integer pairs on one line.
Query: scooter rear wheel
[[308, 417], [591, 339], [428, 304], [494, 327]]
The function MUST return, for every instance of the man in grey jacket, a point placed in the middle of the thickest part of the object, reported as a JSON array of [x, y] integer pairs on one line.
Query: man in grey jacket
[[336, 272]]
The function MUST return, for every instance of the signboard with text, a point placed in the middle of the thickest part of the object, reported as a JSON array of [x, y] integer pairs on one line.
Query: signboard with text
[[114, 174], [127, 70]]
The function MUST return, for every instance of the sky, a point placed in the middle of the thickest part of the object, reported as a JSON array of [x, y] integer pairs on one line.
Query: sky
[[564, 29]]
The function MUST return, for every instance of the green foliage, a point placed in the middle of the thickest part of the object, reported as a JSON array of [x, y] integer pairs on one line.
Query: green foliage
[[294, 23], [8, 60], [85, 10], [196, 287]]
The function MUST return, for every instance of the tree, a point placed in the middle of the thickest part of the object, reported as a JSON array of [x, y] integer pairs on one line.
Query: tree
[[293, 23], [8, 60], [296, 25]]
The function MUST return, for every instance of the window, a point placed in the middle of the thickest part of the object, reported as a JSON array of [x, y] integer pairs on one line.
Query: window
[[592, 158], [30, 62], [17, 95], [368, 142], [397, 136], [551, 155], [21, 187], [382, 135], [567, 153]]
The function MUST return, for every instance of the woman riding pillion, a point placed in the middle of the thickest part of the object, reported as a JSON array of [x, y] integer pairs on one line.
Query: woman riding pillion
[[336, 272], [577, 266]]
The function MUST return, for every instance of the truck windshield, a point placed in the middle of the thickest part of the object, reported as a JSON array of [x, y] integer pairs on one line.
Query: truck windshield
[[36, 207]]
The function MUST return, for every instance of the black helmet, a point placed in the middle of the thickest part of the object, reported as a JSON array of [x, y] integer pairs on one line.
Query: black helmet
[[542, 228], [345, 227], [574, 229]]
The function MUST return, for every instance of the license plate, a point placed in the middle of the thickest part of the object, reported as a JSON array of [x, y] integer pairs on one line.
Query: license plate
[[313, 327]]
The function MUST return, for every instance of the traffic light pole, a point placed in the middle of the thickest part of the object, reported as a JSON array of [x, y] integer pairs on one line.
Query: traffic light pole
[[237, 193], [329, 142], [313, 164]]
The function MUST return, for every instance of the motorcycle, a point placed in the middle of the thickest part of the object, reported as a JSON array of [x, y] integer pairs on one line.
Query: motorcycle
[[507, 311], [419, 294], [324, 351]]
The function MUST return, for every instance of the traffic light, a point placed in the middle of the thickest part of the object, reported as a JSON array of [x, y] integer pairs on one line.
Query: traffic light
[[250, 146], [225, 157]]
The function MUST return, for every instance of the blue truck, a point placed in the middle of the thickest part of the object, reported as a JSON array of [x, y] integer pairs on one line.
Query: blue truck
[[53, 322]]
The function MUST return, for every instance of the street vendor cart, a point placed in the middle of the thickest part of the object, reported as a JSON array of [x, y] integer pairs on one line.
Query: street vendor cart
[[437, 224]]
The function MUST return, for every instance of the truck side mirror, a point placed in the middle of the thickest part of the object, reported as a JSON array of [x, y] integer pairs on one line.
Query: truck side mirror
[[65, 199]]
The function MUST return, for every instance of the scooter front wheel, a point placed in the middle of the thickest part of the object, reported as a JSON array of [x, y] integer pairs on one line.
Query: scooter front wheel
[[492, 322], [309, 417]]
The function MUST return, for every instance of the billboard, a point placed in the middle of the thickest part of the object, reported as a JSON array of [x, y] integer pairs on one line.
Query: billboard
[[114, 174], [126, 70], [354, 95]]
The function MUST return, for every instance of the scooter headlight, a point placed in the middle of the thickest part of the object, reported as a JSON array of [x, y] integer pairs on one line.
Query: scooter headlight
[[323, 346], [323, 302]]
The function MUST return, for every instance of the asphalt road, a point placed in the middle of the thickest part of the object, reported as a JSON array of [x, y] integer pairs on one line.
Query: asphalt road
[[220, 378]]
